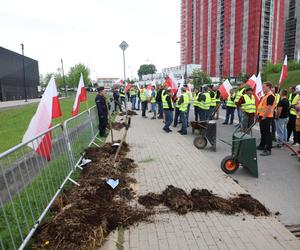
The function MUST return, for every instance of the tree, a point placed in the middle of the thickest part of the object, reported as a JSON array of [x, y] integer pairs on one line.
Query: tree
[[74, 75], [242, 77], [146, 69], [200, 78]]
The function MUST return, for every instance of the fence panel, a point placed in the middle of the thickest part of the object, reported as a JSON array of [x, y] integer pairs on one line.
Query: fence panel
[[31, 177], [94, 120], [79, 135]]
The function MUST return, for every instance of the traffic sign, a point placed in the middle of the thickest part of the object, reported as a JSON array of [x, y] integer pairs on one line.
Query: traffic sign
[[123, 45]]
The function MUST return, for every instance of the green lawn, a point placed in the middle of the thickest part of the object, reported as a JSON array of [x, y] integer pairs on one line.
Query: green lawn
[[292, 79], [14, 122]]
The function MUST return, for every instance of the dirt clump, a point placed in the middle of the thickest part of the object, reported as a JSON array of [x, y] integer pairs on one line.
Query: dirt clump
[[150, 200], [202, 200], [129, 112], [84, 215]]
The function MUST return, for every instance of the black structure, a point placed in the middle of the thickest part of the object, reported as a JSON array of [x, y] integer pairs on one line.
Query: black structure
[[11, 76]]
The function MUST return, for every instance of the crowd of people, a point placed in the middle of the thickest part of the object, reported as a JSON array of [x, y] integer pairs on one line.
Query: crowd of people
[[277, 112]]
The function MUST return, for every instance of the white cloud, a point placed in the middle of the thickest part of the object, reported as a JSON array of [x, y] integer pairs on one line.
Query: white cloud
[[90, 32]]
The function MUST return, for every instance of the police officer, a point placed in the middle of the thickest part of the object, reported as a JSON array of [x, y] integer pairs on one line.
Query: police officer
[[102, 111]]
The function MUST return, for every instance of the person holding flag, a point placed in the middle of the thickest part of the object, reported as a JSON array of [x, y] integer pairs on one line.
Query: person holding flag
[[102, 111], [230, 107]]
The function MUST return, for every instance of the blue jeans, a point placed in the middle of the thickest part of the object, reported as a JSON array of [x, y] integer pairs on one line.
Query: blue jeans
[[133, 101], [177, 114], [187, 114], [196, 112], [183, 116], [144, 107], [203, 114], [168, 118], [229, 113], [281, 130], [153, 107], [139, 104], [160, 109], [240, 115], [211, 110]]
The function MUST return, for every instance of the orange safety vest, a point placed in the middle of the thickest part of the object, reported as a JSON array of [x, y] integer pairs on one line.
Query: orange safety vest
[[263, 106]]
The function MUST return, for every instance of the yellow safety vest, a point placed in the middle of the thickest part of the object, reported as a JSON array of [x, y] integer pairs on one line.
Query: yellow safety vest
[[238, 95], [153, 98], [122, 93], [186, 100], [249, 105], [277, 96], [214, 100], [196, 102], [143, 96], [206, 105], [132, 92], [165, 103], [294, 102], [230, 103]]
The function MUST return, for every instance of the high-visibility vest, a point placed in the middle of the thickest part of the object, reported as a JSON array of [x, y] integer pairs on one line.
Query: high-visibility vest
[[263, 106], [122, 93], [238, 95], [293, 101], [189, 96], [132, 92], [249, 105], [165, 103], [153, 98], [205, 105], [196, 102], [143, 96], [277, 96], [214, 100], [230, 103], [186, 101]]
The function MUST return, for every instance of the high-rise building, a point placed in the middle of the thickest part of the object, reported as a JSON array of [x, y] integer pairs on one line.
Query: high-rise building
[[292, 30], [223, 35]]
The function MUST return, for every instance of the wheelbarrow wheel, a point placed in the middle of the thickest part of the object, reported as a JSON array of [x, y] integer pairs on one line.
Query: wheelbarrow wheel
[[229, 165], [200, 142]]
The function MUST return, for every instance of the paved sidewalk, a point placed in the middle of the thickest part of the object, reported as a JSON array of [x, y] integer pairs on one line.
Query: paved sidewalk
[[17, 103], [166, 159]]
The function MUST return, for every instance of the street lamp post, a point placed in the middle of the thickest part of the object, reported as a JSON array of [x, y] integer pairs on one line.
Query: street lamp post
[[63, 75], [24, 83]]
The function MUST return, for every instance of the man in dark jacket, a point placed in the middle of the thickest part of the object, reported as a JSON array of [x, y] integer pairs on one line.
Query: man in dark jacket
[[102, 111], [116, 96], [159, 102]]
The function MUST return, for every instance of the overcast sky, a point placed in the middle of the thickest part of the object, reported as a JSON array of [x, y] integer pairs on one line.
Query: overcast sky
[[90, 32]]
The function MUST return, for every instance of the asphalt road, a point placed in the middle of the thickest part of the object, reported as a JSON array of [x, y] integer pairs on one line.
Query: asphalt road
[[278, 185]]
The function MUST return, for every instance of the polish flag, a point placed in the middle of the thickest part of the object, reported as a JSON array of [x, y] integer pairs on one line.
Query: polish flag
[[48, 109], [284, 71], [224, 89], [173, 83], [252, 82], [119, 81], [80, 96], [259, 91], [127, 86]]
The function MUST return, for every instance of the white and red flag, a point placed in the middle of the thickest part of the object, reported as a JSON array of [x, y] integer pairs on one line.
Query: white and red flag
[[284, 71], [224, 89], [119, 81], [48, 109], [80, 96]]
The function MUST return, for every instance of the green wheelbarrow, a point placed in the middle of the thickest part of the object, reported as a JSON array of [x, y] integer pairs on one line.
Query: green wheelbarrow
[[243, 148]]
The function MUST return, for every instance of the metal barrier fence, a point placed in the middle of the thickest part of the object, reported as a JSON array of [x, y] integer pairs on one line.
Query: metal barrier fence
[[32, 174]]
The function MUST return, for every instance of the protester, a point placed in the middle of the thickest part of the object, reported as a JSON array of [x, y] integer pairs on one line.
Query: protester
[[265, 112], [139, 99], [293, 99], [143, 98], [281, 116], [204, 107], [239, 93], [196, 103], [102, 111], [217, 100], [183, 102], [230, 107], [168, 109], [247, 104], [297, 126], [133, 93], [159, 102], [177, 111], [153, 101], [122, 96]]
